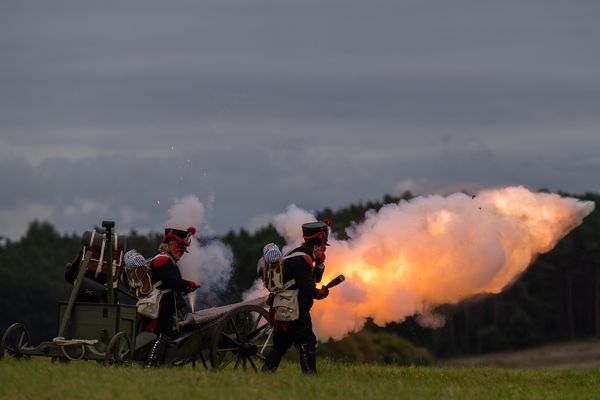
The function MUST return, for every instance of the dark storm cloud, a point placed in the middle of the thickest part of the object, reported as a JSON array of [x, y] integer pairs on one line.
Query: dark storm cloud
[[258, 104]]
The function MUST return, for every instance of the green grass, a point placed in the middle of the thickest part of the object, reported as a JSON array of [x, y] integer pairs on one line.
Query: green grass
[[40, 379]]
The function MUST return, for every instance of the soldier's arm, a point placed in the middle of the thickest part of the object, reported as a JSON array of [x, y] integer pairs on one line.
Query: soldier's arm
[[305, 279], [318, 271], [166, 271]]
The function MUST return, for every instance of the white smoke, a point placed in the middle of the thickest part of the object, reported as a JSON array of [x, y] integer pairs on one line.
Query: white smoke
[[256, 290], [289, 225], [408, 257], [185, 212], [210, 264]]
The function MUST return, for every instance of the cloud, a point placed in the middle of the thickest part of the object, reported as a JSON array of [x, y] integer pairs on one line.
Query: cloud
[[85, 207], [120, 108], [14, 221]]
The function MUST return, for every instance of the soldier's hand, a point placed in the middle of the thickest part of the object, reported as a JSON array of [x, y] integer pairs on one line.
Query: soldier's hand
[[322, 293], [192, 285], [321, 260]]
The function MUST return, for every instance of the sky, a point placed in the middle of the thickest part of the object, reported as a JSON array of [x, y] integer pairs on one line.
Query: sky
[[114, 109]]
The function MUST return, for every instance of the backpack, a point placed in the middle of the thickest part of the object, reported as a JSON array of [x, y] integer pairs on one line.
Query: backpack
[[95, 243], [283, 299], [272, 275], [139, 273]]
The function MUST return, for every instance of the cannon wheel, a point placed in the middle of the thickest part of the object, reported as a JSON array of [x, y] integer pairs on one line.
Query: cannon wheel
[[119, 350], [241, 338], [14, 339]]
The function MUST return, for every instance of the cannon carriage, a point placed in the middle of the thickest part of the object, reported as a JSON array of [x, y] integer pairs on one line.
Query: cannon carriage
[[237, 335]]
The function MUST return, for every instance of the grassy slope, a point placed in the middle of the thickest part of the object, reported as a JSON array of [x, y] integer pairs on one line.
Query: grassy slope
[[576, 354], [40, 379]]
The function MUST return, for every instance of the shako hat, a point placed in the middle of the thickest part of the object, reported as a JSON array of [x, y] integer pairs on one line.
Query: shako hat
[[315, 232], [179, 235]]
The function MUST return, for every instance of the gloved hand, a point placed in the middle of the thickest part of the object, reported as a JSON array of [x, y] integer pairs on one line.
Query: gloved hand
[[319, 270], [321, 260], [192, 285], [322, 293]]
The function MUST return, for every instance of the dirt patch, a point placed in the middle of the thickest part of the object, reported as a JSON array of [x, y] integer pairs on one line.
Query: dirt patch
[[584, 354]]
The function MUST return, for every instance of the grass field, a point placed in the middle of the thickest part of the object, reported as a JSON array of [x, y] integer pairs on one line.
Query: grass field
[[38, 378]]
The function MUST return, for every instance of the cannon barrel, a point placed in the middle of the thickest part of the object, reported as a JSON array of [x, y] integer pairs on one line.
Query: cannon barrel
[[209, 314]]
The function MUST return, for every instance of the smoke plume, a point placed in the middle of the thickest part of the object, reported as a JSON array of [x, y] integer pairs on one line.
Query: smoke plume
[[186, 211], [210, 264], [408, 257], [288, 225]]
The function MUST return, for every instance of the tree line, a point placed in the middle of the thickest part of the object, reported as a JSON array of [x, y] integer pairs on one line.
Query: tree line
[[557, 298]]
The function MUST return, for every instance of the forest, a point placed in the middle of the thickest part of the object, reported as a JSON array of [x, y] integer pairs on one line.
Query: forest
[[556, 299]]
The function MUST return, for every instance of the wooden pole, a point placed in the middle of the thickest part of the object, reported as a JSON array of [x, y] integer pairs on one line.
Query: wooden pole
[[76, 286], [108, 225]]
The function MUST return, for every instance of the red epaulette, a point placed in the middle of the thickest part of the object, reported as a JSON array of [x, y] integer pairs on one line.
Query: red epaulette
[[309, 260], [160, 260]]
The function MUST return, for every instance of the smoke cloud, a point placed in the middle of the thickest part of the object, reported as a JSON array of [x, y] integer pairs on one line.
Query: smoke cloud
[[186, 211], [210, 264], [288, 225], [256, 290], [408, 257]]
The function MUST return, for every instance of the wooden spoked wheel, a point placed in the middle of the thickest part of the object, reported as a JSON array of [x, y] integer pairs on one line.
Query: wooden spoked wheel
[[242, 338], [14, 340], [119, 350]]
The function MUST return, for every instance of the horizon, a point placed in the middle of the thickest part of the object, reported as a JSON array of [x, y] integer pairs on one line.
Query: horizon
[[212, 235]]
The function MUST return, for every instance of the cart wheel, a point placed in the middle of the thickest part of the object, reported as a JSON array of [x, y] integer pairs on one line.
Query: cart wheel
[[119, 350], [243, 337], [15, 338]]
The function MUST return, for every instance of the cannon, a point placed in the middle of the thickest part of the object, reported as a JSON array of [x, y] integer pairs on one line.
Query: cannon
[[232, 336]]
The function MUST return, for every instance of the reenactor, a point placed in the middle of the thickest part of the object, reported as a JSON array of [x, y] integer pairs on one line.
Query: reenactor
[[303, 268], [164, 269]]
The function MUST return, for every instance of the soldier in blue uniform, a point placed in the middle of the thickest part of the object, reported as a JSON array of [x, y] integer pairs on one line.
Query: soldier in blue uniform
[[165, 269], [305, 265]]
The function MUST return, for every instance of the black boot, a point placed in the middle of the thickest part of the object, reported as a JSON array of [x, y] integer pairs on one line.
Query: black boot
[[272, 361], [308, 359], [157, 353]]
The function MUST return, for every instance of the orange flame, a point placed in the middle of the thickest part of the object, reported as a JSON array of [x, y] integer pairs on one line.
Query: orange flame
[[411, 256]]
